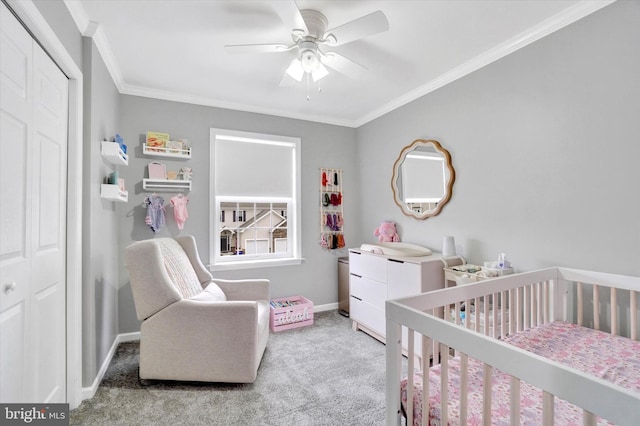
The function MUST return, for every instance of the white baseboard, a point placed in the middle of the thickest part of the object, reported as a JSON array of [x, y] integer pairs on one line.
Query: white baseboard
[[89, 392], [327, 307]]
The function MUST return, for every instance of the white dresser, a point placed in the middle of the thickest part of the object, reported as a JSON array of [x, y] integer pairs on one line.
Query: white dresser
[[375, 278]]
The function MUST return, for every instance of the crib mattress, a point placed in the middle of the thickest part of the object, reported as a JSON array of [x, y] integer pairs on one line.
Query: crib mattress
[[600, 354]]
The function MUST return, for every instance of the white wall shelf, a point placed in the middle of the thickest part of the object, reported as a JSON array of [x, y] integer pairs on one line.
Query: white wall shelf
[[112, 152], [113, 193], [165, 184], [166, 152]]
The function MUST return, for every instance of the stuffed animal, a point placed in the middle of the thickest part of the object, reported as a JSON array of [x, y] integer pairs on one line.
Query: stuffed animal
[[386, 232]]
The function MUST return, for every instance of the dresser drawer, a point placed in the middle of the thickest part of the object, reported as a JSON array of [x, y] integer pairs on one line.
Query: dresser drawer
[[370, 291], [367, 315], [369, 266]]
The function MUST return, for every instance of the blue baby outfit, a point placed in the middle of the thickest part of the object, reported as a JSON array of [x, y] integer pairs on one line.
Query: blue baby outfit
[[155, 212]]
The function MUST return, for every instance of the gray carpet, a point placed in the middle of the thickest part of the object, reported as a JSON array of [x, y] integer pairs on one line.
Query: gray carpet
[[325, 374]]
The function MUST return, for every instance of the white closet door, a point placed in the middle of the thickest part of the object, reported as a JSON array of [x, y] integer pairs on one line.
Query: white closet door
[[33, 164]]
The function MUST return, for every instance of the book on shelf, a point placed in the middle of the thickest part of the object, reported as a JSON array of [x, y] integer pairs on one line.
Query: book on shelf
[[156, 141]]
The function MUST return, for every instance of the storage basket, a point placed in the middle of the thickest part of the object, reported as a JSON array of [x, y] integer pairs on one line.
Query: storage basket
[[290, 312]]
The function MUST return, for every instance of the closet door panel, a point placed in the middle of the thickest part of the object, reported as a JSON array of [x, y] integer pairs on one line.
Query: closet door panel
[[12, 354]]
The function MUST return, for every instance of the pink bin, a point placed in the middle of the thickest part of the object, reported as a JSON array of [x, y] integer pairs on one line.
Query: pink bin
[[290, 312]]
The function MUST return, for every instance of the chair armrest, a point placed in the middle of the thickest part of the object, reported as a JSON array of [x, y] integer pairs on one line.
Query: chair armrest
[[256, 289]]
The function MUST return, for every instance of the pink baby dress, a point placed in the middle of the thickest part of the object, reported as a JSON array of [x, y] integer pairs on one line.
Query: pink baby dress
[[180, 213]]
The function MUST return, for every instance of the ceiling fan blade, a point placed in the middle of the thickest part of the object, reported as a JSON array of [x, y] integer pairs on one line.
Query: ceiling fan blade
[[343, 65], [367, 25], [256, 48], [290, 14]]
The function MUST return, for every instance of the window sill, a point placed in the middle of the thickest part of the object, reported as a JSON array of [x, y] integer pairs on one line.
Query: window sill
[[251, 264]]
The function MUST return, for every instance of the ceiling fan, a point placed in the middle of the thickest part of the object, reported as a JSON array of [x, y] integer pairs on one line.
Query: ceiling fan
[[310, 37]]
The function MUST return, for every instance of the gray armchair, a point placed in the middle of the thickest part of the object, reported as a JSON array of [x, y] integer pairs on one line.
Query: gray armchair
[[195, 328]]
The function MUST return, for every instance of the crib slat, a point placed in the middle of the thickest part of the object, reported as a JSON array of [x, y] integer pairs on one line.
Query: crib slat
[[444, 388], [515, 402], [512, 312], [633, 303], [464, 385], [503, 313], [546, 308], [580, 303], [526, 307], [486, 321], [518, 309], [486, 394], [425, 382], [596, 307], [495, 303], [476, 304], [410, 373], [547, 408], [614, 311]]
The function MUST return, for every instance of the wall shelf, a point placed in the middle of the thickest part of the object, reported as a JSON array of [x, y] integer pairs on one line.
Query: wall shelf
[[113, 193], [166, 152], [165, 184], [112, 152]]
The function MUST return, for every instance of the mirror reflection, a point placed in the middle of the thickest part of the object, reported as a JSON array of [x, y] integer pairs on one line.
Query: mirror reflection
[[422, 179]]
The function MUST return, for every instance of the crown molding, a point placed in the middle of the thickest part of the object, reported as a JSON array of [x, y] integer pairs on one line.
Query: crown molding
[[166, 95], [555, 23]]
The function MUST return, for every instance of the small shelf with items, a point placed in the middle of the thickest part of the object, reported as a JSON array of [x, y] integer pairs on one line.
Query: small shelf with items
[[113, 193], [160, 145], [165, 184], [113, 153], [113, 187], [184, 153]]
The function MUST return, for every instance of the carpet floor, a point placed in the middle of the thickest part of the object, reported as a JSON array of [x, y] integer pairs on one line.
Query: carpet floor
[[324, 374]]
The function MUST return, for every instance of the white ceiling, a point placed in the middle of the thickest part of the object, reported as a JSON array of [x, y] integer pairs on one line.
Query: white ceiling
[[174, 49]]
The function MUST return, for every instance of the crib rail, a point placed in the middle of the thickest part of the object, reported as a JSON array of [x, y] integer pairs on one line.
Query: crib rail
[[502, 306]]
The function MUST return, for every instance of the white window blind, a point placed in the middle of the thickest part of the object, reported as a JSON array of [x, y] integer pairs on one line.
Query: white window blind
[[249, 167]]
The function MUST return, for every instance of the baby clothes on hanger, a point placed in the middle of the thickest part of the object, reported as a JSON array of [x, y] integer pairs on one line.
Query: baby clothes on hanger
[[180, 213], [155, 212]]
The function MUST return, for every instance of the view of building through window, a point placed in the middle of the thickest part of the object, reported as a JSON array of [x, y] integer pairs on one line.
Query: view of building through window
[[252, 228]]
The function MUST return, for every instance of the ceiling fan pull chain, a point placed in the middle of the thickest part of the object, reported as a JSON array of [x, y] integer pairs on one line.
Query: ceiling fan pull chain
[[308, 97]]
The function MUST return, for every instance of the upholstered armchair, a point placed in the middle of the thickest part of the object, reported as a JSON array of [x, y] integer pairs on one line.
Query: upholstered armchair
[[194, 327]]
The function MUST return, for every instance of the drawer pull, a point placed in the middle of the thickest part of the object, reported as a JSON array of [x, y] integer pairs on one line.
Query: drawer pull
[[356, 275], [396, 260], [356, 297]]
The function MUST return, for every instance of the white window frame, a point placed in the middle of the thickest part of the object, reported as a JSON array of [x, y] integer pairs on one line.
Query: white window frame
[[294, 234]]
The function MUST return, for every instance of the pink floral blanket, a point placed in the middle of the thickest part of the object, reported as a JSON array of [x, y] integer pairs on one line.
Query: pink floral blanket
[[612, 358]]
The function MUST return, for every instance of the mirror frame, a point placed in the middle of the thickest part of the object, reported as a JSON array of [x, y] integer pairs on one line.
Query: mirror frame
[[396, 173]]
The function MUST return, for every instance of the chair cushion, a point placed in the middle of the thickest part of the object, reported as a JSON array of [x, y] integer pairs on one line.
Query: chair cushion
[[212, 293], [179, 268]]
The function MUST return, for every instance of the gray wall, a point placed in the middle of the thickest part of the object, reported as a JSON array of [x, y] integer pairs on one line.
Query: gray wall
[[100, 221], [322, 146], [545, 146]]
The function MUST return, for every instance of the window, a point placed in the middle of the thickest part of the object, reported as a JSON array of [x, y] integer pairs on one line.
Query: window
[[255, 179]]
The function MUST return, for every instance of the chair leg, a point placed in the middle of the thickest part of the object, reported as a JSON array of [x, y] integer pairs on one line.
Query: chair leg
[[143, 382]]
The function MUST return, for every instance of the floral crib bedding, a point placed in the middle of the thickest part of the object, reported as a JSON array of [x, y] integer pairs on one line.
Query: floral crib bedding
[[612, 358]]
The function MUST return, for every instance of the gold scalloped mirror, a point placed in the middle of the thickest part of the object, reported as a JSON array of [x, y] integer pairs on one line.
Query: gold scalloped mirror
[[422, 181]]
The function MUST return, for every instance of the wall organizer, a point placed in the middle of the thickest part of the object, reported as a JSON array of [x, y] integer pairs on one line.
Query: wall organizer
[[331, 209]]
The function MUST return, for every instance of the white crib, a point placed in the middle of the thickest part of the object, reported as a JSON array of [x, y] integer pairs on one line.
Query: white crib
[[504, 307]]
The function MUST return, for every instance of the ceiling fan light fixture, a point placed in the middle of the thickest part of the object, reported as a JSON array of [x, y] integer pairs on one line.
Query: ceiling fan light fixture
[[320, 72], [310, 60], [295, 70]]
